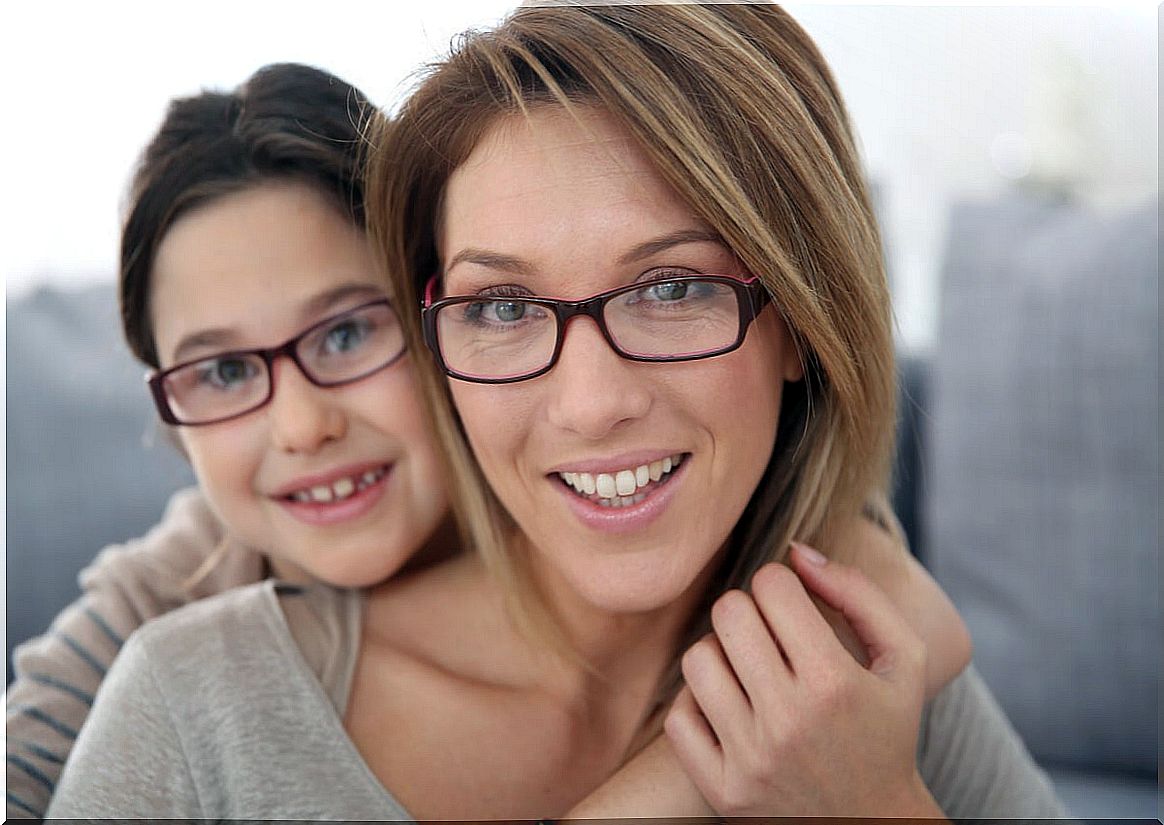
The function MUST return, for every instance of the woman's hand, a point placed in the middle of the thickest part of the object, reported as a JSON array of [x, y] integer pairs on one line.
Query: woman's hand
[[778, 718]]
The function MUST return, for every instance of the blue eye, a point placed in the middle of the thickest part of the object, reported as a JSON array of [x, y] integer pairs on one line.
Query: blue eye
[[496, 312], [669, 291], [347, 335], [226, 372]]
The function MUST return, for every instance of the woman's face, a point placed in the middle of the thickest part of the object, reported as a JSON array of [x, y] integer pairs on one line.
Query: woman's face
[[341, 483], [543, 207]]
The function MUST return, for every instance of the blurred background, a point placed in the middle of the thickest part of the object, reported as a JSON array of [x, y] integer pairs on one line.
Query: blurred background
[[1014, 156]]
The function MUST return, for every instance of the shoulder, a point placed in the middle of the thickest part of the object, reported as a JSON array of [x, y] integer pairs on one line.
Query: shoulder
[[157, 565], [878, 550], [228, 623]]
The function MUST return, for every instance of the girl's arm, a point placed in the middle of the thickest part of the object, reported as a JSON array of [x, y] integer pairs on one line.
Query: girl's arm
[[57, 674]]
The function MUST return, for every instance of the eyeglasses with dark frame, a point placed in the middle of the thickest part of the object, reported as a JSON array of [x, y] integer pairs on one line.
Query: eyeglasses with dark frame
[[339, 350], [502, 338]]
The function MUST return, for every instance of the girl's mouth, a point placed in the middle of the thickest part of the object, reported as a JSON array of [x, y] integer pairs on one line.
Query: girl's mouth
[[339, 490], [622, 488]]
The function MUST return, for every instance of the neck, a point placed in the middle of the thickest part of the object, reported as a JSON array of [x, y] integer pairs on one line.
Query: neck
[[627, 650]]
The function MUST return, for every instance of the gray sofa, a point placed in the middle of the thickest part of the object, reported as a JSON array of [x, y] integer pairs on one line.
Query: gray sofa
[[1030, 481], [1028, 474]]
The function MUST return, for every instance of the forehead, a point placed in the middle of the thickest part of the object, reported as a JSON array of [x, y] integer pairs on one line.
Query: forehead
[[250, 259], [551, 187]]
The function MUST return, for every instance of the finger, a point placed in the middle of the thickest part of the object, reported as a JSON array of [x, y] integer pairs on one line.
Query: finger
[[878, 624], [694, 741], [749, 646], [798, 626], [715, 689]]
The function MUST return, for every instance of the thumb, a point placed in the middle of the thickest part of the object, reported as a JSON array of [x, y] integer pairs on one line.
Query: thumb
[[890, 642]]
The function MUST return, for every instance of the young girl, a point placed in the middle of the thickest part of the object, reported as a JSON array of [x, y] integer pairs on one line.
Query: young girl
[[245, 230], [260, 690]]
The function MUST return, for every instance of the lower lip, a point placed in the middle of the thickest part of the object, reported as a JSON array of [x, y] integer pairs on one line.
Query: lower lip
[[322, 514], [625, 519]]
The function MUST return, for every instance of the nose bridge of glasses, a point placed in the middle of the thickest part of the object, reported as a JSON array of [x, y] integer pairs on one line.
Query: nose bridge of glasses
[[290, 351], [593, 308]]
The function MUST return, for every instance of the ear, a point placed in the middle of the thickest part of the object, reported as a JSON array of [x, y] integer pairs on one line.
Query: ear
[[791, 354], [173, 436]]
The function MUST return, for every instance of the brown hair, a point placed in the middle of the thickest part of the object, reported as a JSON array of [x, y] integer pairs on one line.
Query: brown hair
[[285, 122], [739, 113]]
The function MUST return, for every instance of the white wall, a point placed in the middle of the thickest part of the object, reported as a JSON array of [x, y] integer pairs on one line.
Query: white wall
[[962, 102]]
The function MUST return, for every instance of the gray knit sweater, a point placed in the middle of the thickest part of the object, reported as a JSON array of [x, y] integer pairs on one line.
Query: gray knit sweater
[[215, 712]]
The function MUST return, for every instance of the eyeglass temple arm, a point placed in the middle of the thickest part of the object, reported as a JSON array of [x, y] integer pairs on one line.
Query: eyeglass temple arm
[[429, 289]]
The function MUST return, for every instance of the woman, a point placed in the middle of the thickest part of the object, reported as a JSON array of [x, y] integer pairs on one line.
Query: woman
[[443, 669], [684, 176]]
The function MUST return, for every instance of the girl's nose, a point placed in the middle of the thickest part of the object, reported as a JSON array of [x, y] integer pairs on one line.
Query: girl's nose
[[303, 416]]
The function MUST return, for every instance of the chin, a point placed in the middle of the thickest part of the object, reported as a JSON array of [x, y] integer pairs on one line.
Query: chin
[[643, 589], [337, 571]]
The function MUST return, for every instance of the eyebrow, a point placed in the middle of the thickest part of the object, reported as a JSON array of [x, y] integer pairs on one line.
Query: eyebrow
[[491, 260], [665, 242], [520, 266], [225, 337]]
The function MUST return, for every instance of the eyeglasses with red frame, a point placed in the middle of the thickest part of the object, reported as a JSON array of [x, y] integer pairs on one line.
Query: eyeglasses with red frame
[[498, 337]]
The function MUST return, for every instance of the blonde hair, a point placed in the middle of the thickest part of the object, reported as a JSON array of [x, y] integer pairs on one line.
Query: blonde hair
[[740, 115]]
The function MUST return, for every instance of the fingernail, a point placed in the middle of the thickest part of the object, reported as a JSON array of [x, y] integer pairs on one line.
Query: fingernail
[[813, 557]]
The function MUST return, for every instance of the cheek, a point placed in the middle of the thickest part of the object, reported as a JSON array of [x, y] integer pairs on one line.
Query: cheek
[[497, 422], [223, 457]]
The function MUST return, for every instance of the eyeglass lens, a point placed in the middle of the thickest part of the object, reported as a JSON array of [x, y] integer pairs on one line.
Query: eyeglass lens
[[340, 350], [505, 337]]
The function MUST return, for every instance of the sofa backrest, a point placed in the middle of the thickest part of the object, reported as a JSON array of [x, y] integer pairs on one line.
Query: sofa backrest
[[87, 465], [1042, 502]]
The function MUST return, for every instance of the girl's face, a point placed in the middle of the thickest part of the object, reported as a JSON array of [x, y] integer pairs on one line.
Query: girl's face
[[342, 483], [543, 207]]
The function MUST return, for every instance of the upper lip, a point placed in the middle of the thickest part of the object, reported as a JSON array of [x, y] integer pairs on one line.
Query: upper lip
[[623, 461], [327, 477]]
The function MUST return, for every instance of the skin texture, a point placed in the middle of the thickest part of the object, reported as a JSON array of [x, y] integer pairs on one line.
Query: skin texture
[[773, 685], [504, 228], [252, 269]]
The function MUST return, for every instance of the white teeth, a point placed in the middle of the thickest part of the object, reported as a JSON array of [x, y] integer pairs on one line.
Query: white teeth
[[339, 490], [618, 489], [321, 493], [343, 488]]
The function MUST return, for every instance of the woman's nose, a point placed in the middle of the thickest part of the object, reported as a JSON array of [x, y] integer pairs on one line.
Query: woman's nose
[[594, 390], [303, 416]]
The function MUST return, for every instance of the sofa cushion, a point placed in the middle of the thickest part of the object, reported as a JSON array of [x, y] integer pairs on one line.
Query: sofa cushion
[[1043, 497], [87, 465]]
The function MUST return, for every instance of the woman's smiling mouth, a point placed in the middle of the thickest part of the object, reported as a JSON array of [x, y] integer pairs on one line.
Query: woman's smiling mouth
[[622, 488]]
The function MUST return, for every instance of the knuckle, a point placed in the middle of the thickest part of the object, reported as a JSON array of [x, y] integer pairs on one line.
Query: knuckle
[[773, 579], [699, 655], [729, 607], [917, 654], [836, 689]]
